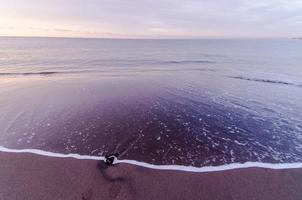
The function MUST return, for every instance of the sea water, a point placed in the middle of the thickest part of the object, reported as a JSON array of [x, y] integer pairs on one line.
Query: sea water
[[185, 102]]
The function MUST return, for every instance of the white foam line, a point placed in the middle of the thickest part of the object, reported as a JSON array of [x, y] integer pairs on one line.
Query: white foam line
[[51, 154], [162, 167], [214, 168]]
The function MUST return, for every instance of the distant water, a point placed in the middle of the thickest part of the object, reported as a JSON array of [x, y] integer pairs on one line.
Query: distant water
[[188, 102]]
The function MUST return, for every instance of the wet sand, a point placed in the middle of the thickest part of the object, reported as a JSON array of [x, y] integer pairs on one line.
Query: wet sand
[[29, 176]]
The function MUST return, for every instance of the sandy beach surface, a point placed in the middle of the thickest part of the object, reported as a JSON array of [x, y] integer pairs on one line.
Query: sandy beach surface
[[28, 176]]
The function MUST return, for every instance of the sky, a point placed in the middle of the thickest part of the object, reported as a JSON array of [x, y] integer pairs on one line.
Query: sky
[[152, 18]]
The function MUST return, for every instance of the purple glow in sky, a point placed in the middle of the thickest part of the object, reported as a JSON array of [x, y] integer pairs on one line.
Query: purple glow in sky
[[152, 18]]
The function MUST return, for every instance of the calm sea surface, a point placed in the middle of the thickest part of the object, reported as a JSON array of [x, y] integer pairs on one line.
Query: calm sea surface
[[188, 102]]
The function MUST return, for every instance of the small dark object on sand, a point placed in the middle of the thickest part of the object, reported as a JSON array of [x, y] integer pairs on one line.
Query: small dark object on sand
[[109, 159]]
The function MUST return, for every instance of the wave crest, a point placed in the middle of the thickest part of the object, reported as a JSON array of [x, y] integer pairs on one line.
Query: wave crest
[[266, 81], [188, 62]]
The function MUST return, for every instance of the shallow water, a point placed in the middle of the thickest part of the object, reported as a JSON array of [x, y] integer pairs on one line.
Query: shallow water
[[187, 102]]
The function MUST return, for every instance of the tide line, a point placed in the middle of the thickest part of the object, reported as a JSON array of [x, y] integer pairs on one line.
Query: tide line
[[161, 167]]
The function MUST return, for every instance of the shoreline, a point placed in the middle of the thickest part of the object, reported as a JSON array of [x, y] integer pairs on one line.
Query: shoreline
[[203, 169], [30, 176]]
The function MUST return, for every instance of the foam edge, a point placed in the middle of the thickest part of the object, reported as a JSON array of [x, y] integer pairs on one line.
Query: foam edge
[[231, 166]]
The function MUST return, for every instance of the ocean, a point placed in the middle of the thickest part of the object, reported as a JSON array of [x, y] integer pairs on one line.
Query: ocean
[[186, 102]]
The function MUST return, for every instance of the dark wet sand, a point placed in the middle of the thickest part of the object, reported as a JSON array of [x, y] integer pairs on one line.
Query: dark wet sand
[[28, 176]]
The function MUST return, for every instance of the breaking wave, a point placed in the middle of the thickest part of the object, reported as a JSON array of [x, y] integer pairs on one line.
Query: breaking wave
[[43, 73], [188, 62], [266, 81]]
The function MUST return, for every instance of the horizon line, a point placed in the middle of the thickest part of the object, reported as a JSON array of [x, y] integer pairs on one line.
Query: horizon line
[[146, 38]]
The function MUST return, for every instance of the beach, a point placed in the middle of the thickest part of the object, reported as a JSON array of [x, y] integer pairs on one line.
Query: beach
[[150, 100], [30, 176], [194, 119], [165, 102]]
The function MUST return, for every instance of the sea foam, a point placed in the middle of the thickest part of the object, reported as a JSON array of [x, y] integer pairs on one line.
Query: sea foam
[[161, 167]]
